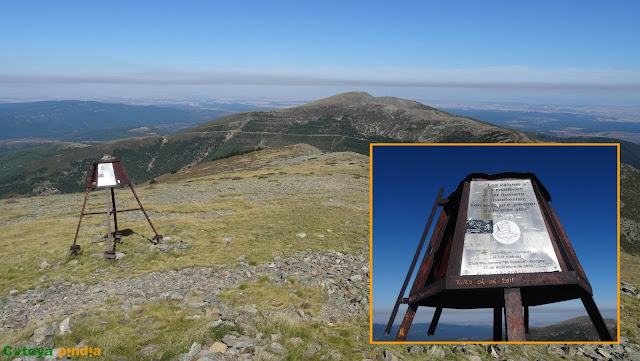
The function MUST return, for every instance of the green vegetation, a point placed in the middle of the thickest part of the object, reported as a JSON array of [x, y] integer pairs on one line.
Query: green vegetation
[[235, 153], [201, 215], [267, 296]]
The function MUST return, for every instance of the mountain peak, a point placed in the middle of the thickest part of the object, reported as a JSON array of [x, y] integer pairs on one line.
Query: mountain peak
[[345, 98], [403, 103], [357, 98]]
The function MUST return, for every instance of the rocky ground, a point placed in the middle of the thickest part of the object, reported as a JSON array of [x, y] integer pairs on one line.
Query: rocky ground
[[344, 279]]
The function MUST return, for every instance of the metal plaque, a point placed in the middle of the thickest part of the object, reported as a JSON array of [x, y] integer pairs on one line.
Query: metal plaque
[[106, 175], [505, 231]]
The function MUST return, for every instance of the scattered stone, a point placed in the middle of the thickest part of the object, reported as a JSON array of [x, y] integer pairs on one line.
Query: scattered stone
[[212, 313], [12, 292], [176, 297], [43, 336], [312, 349], [43, 278], [65, 326], [73, 262], [604, 354], [389, 356], [276, 347], [218, 347], [301, 235], [416, 350], [276, 337], [195, 348], [148, 350], [44, 265], [120, 256], [211, 299], [492, 351], [216, 324], [295, 341]]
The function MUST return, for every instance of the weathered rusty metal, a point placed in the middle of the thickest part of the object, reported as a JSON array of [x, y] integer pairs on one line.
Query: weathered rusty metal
[[434, 321], [433, 247], [514, 318], [157, 237], [439, 283], [121, 180], [75, 249], [406, 322], [526, 319], [436, 204], [596, 318], [110, 244], [497, 323]]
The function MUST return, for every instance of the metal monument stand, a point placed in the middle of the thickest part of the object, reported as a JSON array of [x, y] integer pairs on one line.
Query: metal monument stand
[[441, 282], [109, 173]]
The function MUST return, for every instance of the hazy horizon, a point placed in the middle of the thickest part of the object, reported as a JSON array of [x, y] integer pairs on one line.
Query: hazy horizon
[[542, 52]]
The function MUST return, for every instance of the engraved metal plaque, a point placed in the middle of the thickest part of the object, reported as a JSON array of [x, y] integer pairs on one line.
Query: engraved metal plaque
[[505, 232], [106, 175]]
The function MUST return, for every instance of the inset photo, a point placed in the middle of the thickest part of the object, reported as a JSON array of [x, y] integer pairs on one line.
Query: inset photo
[[495, 243]]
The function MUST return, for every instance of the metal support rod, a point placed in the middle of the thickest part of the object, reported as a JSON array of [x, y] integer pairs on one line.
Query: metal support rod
[[109, 245], [406, 322], [596, 318], [413, 263], [115, 214], [434, 321], [497, 323], [143, 211], [84, 204], [514, 319]]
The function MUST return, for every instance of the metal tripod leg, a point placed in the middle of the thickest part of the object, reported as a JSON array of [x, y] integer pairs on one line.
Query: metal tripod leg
[[406, 322], [497, 323], [413, 263], [596, 318], [110, 252], [157, 237], [434, 321], [117, 236], [514, 318], [75, 249]]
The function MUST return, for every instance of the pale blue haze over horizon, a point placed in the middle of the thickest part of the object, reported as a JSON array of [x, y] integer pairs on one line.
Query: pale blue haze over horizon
[[560, 52]]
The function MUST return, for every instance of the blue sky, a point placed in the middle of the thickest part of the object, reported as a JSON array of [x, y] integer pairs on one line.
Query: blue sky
[[582, 183], [461, 49]]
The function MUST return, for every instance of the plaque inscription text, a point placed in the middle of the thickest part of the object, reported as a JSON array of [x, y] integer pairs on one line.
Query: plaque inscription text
[[505, 232]]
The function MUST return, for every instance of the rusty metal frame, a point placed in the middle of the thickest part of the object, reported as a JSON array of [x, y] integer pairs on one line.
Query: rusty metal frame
[[437, 203], [450, 290], [115, 237]]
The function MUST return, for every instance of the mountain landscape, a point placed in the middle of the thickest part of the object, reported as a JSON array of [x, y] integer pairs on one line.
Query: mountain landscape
[[266, 254], [74, 120], [345, 122], [610, 122]]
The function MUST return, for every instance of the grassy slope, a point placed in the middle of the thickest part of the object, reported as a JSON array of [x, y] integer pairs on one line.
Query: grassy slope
[[200, 211], [630, 209]]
